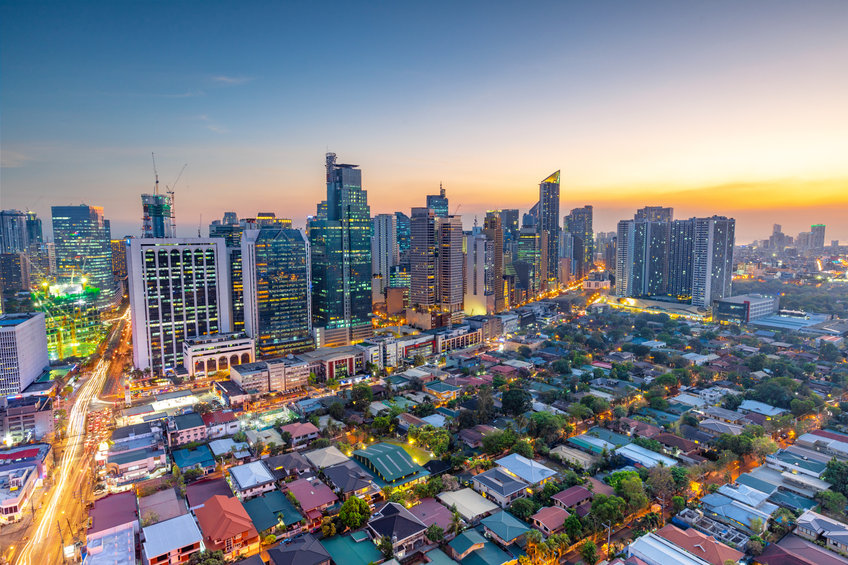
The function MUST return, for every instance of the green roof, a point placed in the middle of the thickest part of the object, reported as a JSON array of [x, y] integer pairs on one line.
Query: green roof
[[491, 554], [439, 386], [270, 509], [389, 461], [465, 540], [346, 550], [438, 557], [505, 526], [200, 456]]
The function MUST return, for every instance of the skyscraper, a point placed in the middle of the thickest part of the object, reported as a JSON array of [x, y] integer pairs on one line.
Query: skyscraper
[[479, 274], [231, 230], [548, 223], [654, 214], [157, 219], [493, 229], [579, 224], [277, 302], [13, 231], [712, 265], [642, 258], [680, 259], [402, 222], [450, 266], [438, 203], [531, 265], [178, 289], [385, 252], [23, 343], [422, 258], [817, 239], [341, 259], [83, 242]]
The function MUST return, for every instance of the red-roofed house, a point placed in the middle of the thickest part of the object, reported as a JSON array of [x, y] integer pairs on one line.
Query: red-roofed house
[[549, 520], [701, 545], [113, 513], [505, 371], [226, 526], [313, 497], [301, 434], [571, 497], [430, 511], [221, 423], [676, 442], [600, 487]]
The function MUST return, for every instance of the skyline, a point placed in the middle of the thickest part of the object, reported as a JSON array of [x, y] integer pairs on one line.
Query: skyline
[[659, 104]]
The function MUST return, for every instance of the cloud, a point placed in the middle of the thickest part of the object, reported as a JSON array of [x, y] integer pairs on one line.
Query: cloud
[[231, 80], [12, 159], [217, 129]]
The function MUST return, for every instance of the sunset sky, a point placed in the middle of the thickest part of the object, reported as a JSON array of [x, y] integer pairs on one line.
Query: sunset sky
[[733, 108]]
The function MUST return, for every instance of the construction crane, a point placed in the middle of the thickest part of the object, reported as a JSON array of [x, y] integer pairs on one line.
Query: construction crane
[[171, 196], [155, 173]]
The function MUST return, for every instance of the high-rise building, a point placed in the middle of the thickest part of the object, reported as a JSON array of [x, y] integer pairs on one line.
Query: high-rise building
[[479, 274], [341, 259], [231, 230], [74, 328], [23, 351], [422, 259], [119, 260], [531, 265], [385, 252], [438, 203], [642, 258], [83, 242], [179, 288], [450, 266], [158, 215], [277, 300], [680, 259], [402, 222], [13, 231], [817, 239], [14, 273], [654, 214], [712, 264], [548, 223], [579, 224], [510, 222], [270, 219], [493, 228]]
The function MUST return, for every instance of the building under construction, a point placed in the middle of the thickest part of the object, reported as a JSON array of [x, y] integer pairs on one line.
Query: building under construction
[[74, 328]]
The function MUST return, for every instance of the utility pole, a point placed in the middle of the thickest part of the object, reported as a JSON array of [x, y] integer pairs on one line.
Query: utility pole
[[609, 531]]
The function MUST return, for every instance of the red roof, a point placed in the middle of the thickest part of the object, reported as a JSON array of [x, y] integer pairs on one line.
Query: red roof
[[20, 454], [111, 511], [503, 369], [311, 494], [430, 511], [298, 429], [572, 496], [701, 545], [218, 417], [221, 518], [600, 487], [675, 441], [552, 517], [830, 435]]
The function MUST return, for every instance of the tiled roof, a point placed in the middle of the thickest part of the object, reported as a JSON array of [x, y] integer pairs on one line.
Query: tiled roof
[[311, 494], [218, 417], [305, 550], [298, 429], [395, 521], [505, 526], [572, 496], [222, 517], [552, 517], [700, 545]]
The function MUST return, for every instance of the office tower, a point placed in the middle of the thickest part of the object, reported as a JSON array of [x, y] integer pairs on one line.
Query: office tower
[[579, 224], [179, 288], [510, 223], [341, 259], [231, 230], [158, 215], [654, 214], [493, 228], [422, 258], [642, 258], [548, 223], [270, 219], [385, 252], [531, 266], [712, 266], [817, 239], [14, 273], [450, 266], [23, 343], [119, 260], [438, 203], [74, 328], [13, 231], [402, 222], [479, 274], [83, 242], [33, 229], [680, 259], [277, 302]]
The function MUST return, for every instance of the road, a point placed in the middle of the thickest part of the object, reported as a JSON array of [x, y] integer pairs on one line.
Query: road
[[57, 520]]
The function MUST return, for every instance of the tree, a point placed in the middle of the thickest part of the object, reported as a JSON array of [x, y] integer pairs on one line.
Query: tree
[[207, 557], [496, 442], [573, 526], [546, 425], [328, 527], [361, 396], [385, 547], [270, 539], [678, 503], [515, 401], [832, 502], [523, 508], [762, 447], [336, 411], [632, 491], [661, 482], [523, 448], [589, 552], [354, 513], [435, 533], [418, 360], [456, 521]]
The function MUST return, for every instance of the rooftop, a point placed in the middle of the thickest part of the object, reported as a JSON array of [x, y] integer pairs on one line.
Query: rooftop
[[389, 461], [526, 469], [311, 494], [469, 504], [171, 534], [352, 549], [251, 475], [505, 526]]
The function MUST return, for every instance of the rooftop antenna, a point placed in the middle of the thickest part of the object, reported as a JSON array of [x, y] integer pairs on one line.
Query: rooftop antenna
[[441, 190], [199, 222]]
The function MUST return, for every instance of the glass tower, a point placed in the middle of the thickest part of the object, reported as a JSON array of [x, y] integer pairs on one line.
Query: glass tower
[[83, 242], [548, 222]]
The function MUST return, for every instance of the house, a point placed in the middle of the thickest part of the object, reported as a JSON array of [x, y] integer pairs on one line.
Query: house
[[288, 465], [349, 479], [200, 458], [198, 492], [443, 391], [755, 407], [701, 545], [549, 520], [527, 470], [274, 513], [470, 505], [160, 506], [352, 549], [652, 549], [313, 496], [430, 512], [186, 428], [471, 548], [251, 479], [500, 486], [391, 464], [130, 466], [399, 525], [221, 423], [572, 497], [794, 550], [305, 550], [227, 527], [817, 527], [717, 427], [325, 457], [171, 542], [301, 434], [112, 513], [725, 415], [473, 437], [227, 447], [575, 456], [637, 455], [504, 528]]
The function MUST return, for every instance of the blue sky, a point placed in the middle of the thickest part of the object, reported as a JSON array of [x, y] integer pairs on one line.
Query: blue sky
[[721, 107]]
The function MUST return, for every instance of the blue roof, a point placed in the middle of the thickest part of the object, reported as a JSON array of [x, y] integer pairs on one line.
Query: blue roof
[[505, 526], [527, 469], [199, 456]]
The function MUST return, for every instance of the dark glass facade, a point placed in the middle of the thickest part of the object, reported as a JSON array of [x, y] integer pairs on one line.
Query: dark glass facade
[[83, 242]]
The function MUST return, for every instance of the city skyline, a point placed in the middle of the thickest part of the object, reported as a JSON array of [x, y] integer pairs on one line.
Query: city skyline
[[658, 104]]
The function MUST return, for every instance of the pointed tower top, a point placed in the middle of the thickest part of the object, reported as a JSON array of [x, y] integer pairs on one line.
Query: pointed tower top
[[554, 178], [441, 190]]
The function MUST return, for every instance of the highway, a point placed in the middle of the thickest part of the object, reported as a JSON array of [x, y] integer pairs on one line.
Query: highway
[[62, 508]]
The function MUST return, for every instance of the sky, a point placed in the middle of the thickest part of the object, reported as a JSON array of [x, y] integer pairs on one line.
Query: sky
[[729, 108]]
